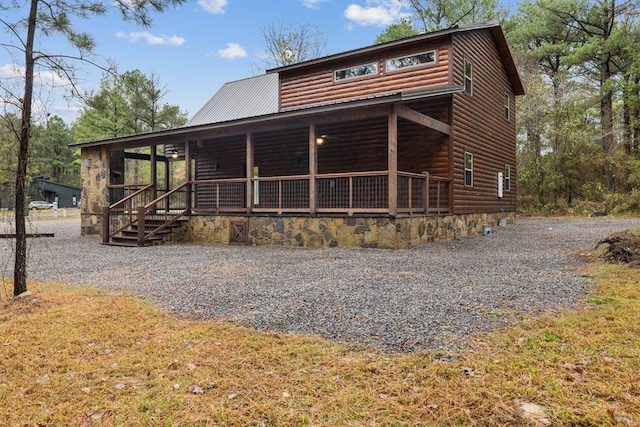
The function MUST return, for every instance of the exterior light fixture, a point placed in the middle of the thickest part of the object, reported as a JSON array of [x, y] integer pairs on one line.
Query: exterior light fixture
[[174, 154], [319, 140]]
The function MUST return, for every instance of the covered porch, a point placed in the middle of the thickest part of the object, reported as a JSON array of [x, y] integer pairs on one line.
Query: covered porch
[[380, 159]]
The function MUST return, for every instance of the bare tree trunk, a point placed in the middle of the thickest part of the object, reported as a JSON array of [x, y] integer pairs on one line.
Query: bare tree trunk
[[606, 117], [20, 267]]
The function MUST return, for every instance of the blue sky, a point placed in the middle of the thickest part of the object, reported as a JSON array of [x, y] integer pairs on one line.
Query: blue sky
[[196, 48]]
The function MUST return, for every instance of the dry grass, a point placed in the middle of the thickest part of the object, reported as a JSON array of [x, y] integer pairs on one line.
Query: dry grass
[[79, 357]]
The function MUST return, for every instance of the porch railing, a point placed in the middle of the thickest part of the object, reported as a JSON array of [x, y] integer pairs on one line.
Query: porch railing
[[219, 195], [123, 213], [355, 192], [350, 193], [438, 196], [281, 194]]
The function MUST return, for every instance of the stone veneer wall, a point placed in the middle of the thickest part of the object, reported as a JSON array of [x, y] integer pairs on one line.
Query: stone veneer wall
[[94, 172], [325, 232]]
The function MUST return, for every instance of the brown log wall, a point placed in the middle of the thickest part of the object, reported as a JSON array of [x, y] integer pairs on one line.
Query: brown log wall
[[479, 126], [319, 88], [354, 146]]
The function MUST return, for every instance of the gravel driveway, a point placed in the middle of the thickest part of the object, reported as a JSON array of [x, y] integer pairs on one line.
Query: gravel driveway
[[402, 300]]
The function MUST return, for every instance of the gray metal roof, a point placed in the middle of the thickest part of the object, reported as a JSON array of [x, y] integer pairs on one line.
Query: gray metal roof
[[250, 97]]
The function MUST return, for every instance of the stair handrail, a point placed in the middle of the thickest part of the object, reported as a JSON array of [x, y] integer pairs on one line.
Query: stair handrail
[[131, 196], [106, 212], [143, 211]]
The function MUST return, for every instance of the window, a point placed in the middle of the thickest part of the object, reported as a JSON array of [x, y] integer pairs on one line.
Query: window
[[468, 77], [354, 72], [507, 105], [411, 61], [468, 169], [507, 177]]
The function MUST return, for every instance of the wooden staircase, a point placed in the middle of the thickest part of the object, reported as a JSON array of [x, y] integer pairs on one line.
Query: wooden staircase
[[141, 220], [129, 236]]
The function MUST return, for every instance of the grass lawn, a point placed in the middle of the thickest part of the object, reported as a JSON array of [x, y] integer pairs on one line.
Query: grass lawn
[[81, 357]]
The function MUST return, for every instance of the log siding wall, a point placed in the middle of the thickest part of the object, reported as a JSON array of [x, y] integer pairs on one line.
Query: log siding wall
[[319, 88], [479, 126]]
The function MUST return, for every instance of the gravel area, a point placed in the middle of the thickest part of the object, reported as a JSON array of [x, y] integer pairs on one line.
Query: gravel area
[[398, 301]]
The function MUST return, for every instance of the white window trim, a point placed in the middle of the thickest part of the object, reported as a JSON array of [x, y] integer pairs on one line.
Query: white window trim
[[470, 154], [507, 177], [425, 64], [507, 107], [470, 78], [362, 76]]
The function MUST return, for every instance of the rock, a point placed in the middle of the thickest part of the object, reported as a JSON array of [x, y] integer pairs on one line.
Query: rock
[[25, 294], [532, 411]]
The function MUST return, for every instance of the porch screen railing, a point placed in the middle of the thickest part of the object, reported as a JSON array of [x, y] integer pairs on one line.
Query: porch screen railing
[[224, 195], [281, 194], [412, 193], [438, 196], [353, 192]]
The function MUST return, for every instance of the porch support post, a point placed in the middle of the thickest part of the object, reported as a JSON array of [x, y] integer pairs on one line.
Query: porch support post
[[167, 174], [392, 158], [313, 169], [154, 172], [249, 150], [187, 170]]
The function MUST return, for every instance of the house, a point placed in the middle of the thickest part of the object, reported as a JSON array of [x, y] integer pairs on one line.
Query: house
[[67, 196], [385, 146]]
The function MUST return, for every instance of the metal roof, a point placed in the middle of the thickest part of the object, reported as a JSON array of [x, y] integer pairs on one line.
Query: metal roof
[[250, 97], [194, 132]]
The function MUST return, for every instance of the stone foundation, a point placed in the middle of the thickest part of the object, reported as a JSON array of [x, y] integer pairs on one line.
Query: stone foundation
[[326, 232]]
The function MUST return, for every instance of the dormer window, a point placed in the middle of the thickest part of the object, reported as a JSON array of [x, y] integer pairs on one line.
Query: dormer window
[[364, 70], [411, 61]]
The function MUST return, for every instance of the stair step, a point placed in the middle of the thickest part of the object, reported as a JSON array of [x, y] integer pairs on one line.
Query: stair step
[[127, 245], [134, 232], [129, 237]]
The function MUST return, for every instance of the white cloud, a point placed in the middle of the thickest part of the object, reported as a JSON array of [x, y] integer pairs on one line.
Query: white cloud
[[213, 6], [11, 71], [233, 50], [150, 38], [376, 12], [312, 4], [48, 79]]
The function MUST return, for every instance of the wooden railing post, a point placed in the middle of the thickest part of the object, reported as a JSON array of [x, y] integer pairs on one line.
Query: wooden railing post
[[410, 195], [105, 225], [392, 160], [141, 212], [425, 193], [313, 170], [188, 173], [188, 197], [249, 177]]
